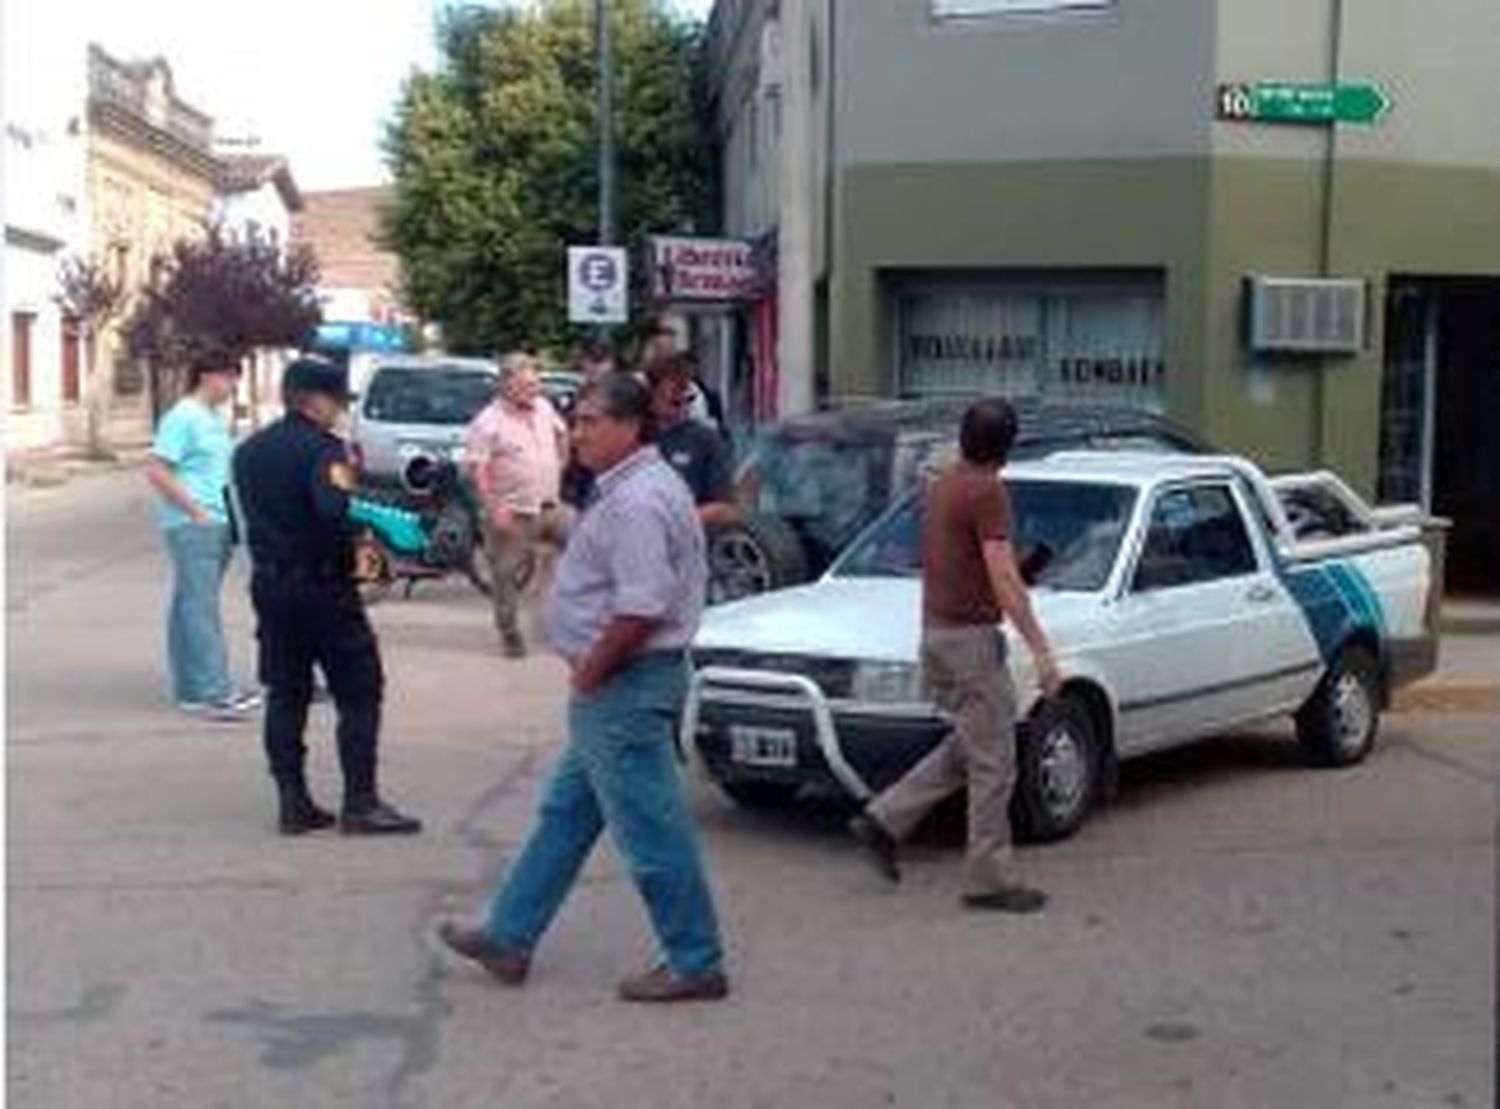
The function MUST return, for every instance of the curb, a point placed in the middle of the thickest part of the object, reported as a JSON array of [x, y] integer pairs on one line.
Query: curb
[[53, 471], [1477, 624], [1461, 697]]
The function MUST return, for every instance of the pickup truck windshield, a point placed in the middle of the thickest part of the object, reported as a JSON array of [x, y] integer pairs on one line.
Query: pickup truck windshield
[[1080, 525], [427, 395]]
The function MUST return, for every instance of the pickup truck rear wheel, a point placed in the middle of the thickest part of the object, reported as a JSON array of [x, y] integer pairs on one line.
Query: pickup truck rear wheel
[[1338, 724], [1057, 770]]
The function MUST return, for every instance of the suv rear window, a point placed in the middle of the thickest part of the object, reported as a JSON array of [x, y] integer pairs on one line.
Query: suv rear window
[[427, 395]]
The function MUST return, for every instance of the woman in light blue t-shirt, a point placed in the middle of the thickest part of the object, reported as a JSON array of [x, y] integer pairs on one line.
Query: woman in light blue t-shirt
[[189, 469]]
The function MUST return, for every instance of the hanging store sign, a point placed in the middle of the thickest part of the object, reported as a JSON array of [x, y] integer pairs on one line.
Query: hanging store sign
[[703, 269]]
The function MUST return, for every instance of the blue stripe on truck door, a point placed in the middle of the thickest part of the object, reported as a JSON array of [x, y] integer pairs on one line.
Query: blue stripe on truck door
[[1337, 600]]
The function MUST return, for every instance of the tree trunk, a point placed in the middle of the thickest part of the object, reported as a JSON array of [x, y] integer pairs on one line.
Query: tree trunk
[[96, 400]]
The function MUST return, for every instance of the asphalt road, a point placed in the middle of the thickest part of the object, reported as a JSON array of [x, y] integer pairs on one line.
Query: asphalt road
[[1235, 931]]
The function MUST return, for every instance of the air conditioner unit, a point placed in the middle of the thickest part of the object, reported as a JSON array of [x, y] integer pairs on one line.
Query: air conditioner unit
[[1306, 315]]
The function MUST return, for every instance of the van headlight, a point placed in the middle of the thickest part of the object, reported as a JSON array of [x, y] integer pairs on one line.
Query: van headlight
[[886, 683]]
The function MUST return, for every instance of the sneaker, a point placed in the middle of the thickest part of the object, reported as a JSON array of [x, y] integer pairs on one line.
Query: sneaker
[[246, 700], [513, 646], [663, 986], [222, 712], [1007, 899]]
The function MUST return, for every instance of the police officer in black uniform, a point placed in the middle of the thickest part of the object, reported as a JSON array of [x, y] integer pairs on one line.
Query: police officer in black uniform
[[292, 482]]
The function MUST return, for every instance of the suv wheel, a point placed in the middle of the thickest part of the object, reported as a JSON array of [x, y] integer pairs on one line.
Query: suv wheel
[[755, 555]]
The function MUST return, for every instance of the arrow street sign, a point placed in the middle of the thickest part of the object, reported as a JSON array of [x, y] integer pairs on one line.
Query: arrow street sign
[[1291, 102], [596, 284]]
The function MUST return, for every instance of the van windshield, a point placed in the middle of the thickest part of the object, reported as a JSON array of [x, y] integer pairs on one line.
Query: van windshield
[[1080, 523], [427, 395]]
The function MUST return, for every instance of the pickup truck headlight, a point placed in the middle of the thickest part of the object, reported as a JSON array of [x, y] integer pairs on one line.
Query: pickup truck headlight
[[886, 683]]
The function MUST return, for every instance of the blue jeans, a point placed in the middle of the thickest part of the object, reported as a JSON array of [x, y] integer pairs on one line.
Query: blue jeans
[[618, 771], [195, 636]]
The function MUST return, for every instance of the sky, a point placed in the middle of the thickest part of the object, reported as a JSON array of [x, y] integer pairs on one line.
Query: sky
[[312, 79]]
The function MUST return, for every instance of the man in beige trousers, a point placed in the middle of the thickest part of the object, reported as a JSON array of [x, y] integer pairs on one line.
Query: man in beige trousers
[[970, 580], [515, 449]]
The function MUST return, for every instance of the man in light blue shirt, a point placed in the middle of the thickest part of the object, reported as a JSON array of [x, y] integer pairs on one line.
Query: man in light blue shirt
[[625, 606], [189, 470]]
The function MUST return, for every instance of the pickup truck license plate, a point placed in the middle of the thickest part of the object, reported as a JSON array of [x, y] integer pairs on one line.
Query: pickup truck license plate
[[766, 747]]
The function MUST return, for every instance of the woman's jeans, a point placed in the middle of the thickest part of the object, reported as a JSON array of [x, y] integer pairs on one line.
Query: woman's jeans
[[195, 635], [618, 772]]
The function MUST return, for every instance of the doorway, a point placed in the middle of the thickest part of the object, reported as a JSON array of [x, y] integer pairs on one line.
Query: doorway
[[1440, 405]]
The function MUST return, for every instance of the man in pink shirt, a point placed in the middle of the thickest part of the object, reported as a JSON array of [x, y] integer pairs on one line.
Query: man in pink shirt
[[515, 450]]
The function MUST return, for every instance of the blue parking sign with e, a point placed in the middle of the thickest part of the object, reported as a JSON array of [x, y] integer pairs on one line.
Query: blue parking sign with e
[[597, 276], [599, 273]]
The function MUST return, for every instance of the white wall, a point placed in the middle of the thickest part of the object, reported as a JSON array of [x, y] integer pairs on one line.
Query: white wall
[[44, 200], [262, 211], [346, 304]]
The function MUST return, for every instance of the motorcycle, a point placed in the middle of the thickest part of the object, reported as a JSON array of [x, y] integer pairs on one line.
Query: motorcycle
[[426, 531]]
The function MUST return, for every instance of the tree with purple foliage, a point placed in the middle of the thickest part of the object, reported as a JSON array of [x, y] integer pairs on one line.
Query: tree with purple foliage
[[221, 298]]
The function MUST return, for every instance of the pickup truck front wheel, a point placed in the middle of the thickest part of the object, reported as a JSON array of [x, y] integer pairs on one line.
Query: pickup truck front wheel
[[1057, 771], [1337, 726]]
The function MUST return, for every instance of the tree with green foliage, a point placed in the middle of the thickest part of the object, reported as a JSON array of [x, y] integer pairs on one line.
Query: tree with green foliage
[[494, 157]]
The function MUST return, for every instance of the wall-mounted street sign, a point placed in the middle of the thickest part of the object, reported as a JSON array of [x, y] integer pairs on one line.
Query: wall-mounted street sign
[[702, 269], [596, 284], [1294, 102]]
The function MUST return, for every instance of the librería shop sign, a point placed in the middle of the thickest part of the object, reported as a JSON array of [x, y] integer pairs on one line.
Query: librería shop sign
[[702, 269]]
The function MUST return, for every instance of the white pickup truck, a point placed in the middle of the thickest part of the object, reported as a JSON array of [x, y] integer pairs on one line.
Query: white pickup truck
[[1183, 595]]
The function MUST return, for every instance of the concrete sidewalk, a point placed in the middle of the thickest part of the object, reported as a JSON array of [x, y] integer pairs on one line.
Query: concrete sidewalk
[[1468, 675], [55, 466]]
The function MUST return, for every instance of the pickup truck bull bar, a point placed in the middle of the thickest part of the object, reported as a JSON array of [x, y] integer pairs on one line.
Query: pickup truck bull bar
[[803, 691]]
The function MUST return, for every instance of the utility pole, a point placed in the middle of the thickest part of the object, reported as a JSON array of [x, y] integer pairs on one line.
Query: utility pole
[[795, 236], [603, 39]]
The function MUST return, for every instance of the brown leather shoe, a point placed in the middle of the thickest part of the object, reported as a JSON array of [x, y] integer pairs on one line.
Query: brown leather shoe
[[662, 985], [504, 963]]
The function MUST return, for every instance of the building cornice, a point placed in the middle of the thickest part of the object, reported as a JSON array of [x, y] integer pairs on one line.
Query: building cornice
[[120, 123]]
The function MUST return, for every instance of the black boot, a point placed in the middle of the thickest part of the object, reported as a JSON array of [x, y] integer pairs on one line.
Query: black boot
[[300, 814], [370, 816]]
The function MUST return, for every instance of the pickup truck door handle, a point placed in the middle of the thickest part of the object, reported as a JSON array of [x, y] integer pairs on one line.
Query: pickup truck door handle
[[1261, 594]]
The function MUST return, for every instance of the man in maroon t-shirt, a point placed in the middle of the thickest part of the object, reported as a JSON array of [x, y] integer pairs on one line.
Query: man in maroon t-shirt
[[970, 580]]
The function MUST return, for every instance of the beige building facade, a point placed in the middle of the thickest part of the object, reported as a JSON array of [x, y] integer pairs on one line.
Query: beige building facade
[[152, 180]]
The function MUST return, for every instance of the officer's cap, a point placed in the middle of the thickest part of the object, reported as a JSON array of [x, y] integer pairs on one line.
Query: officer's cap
[[315, 375]]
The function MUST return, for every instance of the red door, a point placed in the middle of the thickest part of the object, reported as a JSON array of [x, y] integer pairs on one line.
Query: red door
[[20, 359], [72, 373]]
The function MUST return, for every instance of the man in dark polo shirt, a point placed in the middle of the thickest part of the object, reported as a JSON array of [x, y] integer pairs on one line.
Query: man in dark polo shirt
[[699, 454], [970, 580]]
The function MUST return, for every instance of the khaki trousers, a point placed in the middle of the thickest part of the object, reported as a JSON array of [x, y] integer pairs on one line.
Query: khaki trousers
[[539, 536], [967, 675]]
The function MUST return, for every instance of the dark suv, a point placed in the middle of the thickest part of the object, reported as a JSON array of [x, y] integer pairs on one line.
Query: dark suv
[[810, 484]]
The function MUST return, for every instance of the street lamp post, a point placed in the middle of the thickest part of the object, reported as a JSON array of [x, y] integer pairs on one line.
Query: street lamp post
[[606, 123]]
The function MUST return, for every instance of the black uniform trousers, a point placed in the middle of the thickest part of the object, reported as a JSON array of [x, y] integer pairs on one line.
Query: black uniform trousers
[[302, 621]]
